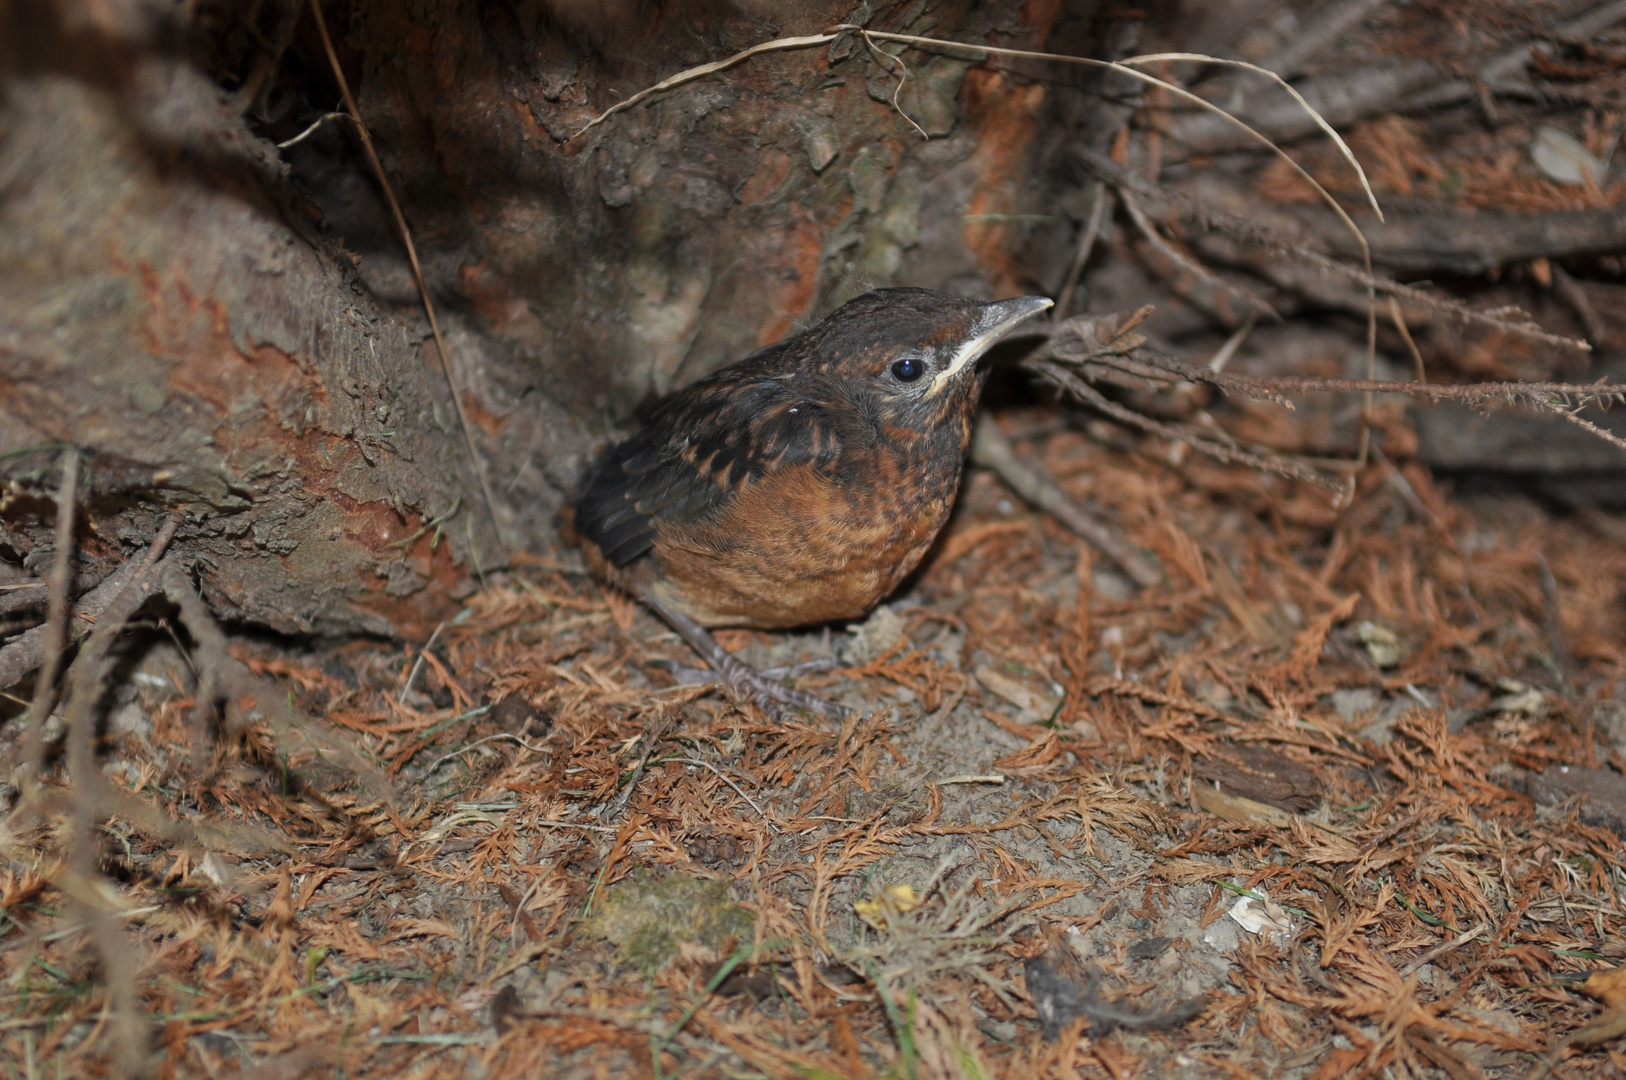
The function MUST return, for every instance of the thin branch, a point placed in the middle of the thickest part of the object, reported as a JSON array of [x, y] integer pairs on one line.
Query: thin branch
[[1065, 379], [1086, 244], [29, 651], [56, 616], [87, 787], [89, 668], [160, 543], [657, 730], [1098, 348], [1602, 433], [1250, 232], [1488, 395], [412, 676], [1444, 947], [1184, 261], [475, 460], [724, 778], [991, 450], [231, 680], [500, 736]]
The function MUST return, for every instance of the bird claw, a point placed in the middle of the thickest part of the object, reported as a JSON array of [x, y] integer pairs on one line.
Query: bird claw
[[806, 667], [769, 693], [684, 675], [762, 686]]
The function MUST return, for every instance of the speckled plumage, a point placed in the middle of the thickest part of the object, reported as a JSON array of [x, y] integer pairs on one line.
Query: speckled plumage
[[801, 484]]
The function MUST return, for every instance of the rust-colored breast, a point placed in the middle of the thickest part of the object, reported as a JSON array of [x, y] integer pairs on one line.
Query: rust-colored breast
[[799, 485], [801, 546]]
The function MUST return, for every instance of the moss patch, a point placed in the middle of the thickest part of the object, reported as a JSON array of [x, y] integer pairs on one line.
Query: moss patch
[[646, 919]]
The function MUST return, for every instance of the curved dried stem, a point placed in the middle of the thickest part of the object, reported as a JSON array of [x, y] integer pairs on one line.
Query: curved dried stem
[[689, 75], [982, 52], [903, 74], [1086, 244], [1125, 67]]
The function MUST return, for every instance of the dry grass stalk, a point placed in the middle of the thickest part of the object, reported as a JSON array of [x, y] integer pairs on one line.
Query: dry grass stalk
[[476, 463]]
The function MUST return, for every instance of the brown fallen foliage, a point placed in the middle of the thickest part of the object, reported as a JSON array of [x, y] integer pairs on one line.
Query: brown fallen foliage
[[1321, 784], [546, 780]]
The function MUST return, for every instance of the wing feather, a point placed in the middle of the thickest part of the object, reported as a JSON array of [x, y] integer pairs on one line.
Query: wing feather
[[700, 447]]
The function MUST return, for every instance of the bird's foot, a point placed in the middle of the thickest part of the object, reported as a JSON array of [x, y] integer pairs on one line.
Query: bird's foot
[[770, 693], [684, 675], [762, 687]]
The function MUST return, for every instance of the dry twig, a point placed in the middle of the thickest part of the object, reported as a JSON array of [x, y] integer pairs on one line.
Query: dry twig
[[1086, 244], [991, 450], [29, 651], [54, 638], [475, 461], [1254, 234]]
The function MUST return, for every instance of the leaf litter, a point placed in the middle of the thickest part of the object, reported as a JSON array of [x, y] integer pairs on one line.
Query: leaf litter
[[1341, 791], [513, 897]]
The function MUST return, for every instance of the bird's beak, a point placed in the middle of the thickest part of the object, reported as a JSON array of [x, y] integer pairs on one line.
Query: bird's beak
[[993, 322]]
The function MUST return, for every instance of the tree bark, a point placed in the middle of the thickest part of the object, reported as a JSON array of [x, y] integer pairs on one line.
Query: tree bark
[[166, 309], [231, 329]]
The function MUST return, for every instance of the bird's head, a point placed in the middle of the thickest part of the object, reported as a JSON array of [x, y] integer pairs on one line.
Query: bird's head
[[912, 353]]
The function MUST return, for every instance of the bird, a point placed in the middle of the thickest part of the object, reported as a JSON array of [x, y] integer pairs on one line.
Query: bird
[[798, 485]]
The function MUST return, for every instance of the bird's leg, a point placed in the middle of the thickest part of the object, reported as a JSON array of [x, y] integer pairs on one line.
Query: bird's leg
[[766, 691], [699, 676]]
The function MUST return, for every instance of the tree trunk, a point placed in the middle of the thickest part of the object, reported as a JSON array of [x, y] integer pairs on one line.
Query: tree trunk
[[231, 331]]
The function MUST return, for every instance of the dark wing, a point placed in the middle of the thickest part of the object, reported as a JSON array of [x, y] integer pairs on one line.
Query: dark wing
[[701, 446]]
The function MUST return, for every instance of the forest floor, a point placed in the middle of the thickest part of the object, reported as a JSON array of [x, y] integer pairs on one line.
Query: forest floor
[[1347, 786], [1345, 793]]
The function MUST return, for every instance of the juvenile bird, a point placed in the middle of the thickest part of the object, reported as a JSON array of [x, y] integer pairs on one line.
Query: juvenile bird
[[800, 484]]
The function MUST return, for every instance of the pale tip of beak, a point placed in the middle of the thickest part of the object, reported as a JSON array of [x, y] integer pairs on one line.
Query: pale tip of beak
[[995, 321]]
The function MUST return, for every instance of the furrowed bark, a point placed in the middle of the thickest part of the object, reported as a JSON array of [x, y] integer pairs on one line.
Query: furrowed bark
[[231, 330]]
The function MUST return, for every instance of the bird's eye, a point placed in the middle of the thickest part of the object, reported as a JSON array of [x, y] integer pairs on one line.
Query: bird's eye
[[908, 369]]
